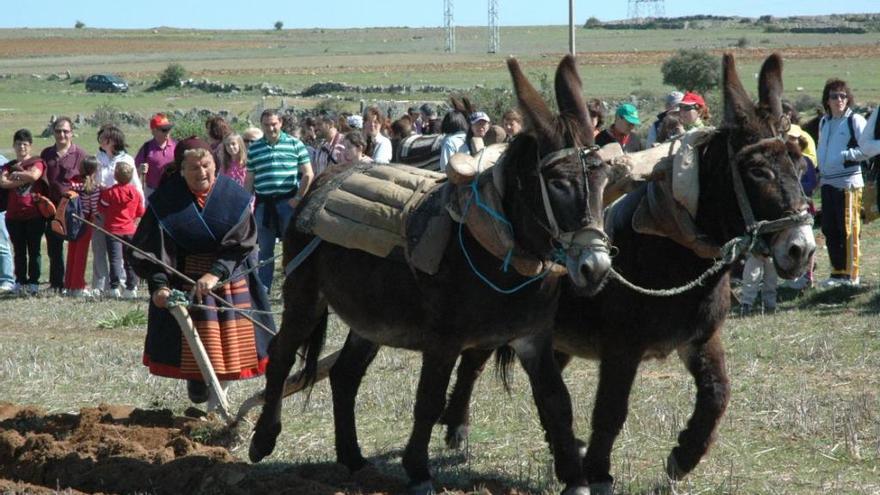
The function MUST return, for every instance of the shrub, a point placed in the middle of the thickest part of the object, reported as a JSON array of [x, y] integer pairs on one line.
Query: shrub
[[170, 77], [279, 25], [742, 42], [692, 70], [185, 127], [593, 22], [79, 24]]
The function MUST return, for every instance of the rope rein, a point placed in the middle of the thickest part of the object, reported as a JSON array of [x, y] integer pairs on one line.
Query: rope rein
[[152, 258], [736, 247]]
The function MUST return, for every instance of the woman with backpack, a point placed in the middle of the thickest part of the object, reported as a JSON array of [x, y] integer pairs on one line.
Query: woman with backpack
[[840, 179]]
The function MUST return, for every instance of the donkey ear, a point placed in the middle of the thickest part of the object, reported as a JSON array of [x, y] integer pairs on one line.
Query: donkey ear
[[770, 85], [569, 99], [535, 111], [468, 106], [738, 106], [456, 104]]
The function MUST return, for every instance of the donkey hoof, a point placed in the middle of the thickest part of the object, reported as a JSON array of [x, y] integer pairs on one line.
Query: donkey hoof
[[673, 470], [262, 444], [423, 488], [604, 488], [576, 490], [455, 436]]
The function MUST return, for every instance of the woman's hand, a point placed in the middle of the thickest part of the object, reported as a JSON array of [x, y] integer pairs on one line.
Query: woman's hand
[[204, 285], [160, 297]]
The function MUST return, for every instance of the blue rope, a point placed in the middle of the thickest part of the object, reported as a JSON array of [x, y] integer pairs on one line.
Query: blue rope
[[507, 257]]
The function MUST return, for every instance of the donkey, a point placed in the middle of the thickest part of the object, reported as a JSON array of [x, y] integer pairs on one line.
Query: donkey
[[621, 327], [552, 182]]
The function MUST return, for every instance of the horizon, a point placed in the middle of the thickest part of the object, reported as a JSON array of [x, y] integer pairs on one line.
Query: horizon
[[348, 14]]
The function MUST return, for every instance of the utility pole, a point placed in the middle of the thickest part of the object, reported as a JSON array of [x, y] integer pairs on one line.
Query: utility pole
[[571, 28], [494, 29], [449, 25]]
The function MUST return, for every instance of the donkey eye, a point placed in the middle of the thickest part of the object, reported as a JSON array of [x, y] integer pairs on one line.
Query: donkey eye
[[761, 173], [560, 184]]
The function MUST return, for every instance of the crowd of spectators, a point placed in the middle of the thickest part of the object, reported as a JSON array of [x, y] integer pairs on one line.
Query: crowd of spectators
[[277, 161]]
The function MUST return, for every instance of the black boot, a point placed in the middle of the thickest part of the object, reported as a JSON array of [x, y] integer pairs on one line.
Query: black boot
[[197, 391]]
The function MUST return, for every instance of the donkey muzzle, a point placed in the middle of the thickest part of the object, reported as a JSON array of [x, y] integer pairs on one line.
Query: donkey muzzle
[[588, 259], [792, 250]]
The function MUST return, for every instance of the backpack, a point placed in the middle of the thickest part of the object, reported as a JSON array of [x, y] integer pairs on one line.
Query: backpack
[[67, 222]]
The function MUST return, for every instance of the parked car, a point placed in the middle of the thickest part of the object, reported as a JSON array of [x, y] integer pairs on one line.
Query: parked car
[[106, 83]]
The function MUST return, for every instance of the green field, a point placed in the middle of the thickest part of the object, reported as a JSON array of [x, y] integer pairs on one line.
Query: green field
[[614, 64]]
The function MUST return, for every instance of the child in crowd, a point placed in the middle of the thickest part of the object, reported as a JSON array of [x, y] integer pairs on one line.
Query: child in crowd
[[758, 274], [86, 186], [233, 158], [355, 146], [121, 206]]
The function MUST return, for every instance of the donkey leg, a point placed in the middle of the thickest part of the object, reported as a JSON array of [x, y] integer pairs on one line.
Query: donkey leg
[[706, 364], [436, 370], [345, 380], [616, 376], [304, 312], [554, 408], [456, 417]]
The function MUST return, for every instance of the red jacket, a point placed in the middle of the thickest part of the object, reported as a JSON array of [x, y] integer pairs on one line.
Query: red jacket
[[121, 205]]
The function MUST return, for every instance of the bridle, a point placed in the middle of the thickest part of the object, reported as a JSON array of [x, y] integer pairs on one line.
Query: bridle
[[587, 237], [756, 228]]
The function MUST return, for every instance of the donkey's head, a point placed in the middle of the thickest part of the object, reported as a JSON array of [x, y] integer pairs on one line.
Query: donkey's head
[[553, 179], [765, 168]]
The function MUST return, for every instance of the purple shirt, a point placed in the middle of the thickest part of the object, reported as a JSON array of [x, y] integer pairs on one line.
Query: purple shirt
[[60, 171], [157, 158]]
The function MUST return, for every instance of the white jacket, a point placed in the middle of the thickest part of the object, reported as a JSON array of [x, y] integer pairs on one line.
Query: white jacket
[[869, 144], [832, 151], [107, 170]]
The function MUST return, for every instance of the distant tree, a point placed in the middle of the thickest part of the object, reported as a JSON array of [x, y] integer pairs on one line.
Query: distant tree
[[692, 70], [279, 25], [79, 24], [593, 23], [171, 76], [743, 42]]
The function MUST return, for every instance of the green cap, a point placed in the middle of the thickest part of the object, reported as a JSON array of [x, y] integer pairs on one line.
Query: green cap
[[629, 113]]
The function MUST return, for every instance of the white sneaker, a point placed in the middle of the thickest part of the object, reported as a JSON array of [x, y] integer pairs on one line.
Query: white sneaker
[[831, 282], [76, 293], [114, 293], [7, 288], [856, 282], [130, 294]]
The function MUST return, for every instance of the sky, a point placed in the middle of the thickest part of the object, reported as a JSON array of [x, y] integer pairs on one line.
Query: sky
[[233, 14]]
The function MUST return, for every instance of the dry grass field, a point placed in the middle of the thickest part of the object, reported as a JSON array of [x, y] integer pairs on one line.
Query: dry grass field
[[803, 417]]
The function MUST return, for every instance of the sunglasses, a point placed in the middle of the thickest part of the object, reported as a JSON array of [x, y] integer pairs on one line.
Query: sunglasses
[[686, 108], [166, 130], [837, 96]]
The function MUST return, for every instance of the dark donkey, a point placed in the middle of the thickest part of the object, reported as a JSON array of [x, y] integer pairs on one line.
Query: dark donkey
[[552, 189], [621, 327]]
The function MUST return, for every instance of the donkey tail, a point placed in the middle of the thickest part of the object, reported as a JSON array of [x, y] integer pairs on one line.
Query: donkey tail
[[312, 349], [504, 359]]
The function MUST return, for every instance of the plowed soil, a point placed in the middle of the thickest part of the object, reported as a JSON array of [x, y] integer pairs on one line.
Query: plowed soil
[[120, 449]]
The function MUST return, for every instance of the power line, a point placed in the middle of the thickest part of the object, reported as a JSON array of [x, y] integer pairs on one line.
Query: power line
[[494, 28], [449, 25]]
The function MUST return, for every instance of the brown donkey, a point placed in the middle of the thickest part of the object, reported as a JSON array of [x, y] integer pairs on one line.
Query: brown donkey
[[621, 327], [552, 196]]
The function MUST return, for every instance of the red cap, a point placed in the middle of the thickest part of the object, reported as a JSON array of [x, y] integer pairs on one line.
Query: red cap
[[693, 99], [160, 121]]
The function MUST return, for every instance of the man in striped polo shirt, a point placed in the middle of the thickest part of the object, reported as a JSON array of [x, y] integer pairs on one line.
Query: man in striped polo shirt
[[279, 173]]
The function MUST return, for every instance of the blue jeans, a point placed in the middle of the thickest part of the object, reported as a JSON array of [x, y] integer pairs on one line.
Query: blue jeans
[[266, 234], [7, 269]]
